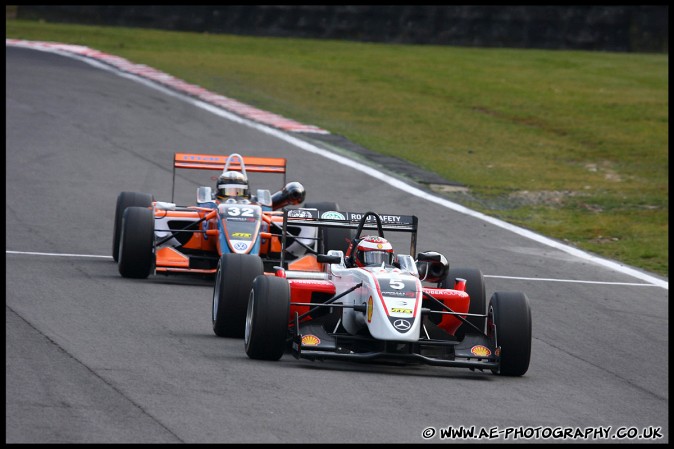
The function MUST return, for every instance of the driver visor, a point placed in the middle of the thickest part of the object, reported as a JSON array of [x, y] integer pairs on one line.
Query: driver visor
[[376, 257], [232, 189]]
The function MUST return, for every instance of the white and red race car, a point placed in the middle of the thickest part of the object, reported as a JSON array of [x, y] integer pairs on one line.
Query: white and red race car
[[410, 310]]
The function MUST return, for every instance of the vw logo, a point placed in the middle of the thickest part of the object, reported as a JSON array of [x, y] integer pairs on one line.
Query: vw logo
[[240, 246], [402, 325]]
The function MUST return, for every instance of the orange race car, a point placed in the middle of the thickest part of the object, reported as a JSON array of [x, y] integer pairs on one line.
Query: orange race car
[[231, 233], [161, 237]]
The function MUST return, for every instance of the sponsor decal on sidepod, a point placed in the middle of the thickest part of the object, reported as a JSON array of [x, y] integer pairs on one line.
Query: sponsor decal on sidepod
[[480, 351], [310, 340]]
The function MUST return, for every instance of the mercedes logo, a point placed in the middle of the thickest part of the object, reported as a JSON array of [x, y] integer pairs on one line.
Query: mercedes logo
[[402, 325]]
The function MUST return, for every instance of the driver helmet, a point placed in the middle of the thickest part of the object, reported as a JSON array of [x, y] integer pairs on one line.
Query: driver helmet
[[232, 184], [373, 250]]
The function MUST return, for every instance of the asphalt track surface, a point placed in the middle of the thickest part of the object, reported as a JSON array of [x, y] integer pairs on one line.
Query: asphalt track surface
[[95, 358]]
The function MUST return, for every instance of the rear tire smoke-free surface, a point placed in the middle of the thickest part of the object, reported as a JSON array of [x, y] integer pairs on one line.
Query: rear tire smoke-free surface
[[136, 243], [511, 315], [124, 200], [478, 299], [267, 318], [233, 282]]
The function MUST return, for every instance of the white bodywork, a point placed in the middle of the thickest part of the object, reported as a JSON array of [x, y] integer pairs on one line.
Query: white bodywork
[[392, 298]]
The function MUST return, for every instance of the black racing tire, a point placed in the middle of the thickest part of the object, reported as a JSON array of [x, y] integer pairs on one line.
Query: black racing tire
[[333, 238], [478, 298], [233, 282], [267, 318], [124, 200], [136, 243], [511, 315]]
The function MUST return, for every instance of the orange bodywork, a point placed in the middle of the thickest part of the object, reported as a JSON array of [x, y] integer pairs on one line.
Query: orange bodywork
[[217, 162], [306, 263], [169, 259], [208, 242]]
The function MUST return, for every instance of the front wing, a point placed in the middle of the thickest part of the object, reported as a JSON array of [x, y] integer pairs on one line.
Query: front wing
[[315, 343]]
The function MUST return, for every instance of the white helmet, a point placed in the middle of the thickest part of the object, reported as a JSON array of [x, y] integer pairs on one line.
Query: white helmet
[[373, 250]]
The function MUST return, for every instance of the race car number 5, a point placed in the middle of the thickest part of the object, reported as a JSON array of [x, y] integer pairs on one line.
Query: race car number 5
[[397, 284]]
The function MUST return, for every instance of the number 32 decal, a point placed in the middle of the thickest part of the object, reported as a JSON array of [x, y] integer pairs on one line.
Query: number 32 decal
[[241, 211]]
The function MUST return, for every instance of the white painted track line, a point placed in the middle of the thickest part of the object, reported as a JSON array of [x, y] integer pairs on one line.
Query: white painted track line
[[574, 281]]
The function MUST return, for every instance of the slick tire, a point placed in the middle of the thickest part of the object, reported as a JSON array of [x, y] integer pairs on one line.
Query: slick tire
[[478, 298], [124, 200], [511, 315], [233, 282], [332, 238], [136, 243], [267, 318]]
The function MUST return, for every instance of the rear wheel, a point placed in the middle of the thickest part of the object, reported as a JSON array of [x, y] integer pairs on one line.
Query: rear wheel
[[267, 318], [511, 317], [333, 238], [124, 200], [478, 300], [136, 243], [233, 282]]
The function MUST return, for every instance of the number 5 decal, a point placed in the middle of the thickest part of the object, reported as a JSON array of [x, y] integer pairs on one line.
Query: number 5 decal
[[397, 284]]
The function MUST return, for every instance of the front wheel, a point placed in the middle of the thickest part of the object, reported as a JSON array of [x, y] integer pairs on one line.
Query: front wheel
[[233, 282], [267, 318], [136, 243], [125, 200], [509, 323]]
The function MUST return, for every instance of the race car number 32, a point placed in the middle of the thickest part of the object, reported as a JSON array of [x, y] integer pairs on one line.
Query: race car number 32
[[240, 211]]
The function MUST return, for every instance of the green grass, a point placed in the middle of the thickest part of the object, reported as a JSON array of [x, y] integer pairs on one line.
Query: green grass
[[570, 144]]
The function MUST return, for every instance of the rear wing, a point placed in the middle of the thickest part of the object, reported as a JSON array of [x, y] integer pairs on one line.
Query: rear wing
[[350, 220], [217, 162]]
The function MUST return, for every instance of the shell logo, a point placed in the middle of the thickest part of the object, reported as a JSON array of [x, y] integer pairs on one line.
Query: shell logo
[[369, 309], [480, 351], [310, 340], [380, 246]]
